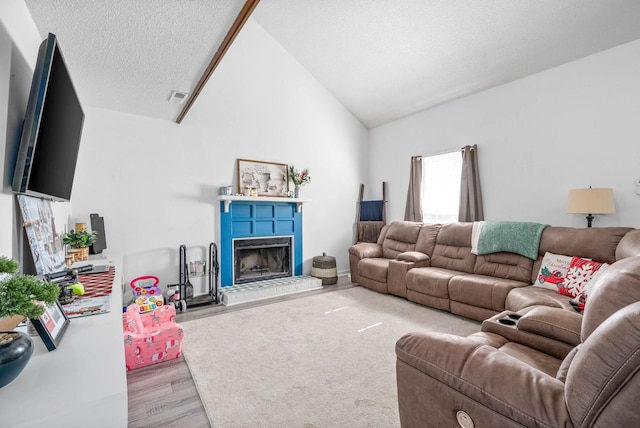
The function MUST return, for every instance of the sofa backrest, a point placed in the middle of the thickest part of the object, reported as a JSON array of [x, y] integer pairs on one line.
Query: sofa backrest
[[615, 288], [401, 236], [504, 265], [629, 245], [596, 243], [383, 234], [427, 238], [453, 248], [602, 385]]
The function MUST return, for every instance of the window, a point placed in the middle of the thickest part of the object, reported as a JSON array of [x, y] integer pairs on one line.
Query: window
[[441, 187]]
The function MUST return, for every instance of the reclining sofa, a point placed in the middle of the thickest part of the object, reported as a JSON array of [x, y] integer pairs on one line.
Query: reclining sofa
[[504, 377], [432, 264], [537, 361]]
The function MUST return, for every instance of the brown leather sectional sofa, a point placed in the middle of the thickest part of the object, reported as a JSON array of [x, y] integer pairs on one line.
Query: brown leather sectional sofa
[[433, 265], [536, 362]]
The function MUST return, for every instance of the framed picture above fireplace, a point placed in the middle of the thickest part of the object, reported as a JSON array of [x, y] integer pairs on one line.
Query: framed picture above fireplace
[[267, 178]]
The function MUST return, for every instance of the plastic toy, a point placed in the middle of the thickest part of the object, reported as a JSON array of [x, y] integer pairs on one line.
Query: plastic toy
[[146, 293], [77, 288], [173, 297]]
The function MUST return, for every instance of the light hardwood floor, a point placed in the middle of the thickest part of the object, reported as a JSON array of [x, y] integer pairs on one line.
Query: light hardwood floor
[[164, 395]]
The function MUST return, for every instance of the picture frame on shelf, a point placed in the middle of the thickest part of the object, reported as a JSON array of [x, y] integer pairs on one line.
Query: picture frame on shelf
[[267, 178], [51, 325], [46, 246]]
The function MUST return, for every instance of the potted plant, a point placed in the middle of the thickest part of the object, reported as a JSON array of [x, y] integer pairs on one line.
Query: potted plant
[[299, 178], [20, 296], [80, 240]]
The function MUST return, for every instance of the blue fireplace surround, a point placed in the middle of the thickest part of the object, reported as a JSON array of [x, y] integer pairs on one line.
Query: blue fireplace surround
[[258, 219]]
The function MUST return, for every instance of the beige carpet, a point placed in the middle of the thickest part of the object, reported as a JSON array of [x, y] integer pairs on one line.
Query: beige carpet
[[326, 360]]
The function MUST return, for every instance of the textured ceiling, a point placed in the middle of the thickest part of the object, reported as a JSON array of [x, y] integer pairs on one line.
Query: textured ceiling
[[383, 59], [129, 55]]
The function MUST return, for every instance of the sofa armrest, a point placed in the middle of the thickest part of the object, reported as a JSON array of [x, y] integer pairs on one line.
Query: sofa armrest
[[366, 250], [398, 268], [553, 331], [554, 323], [479, 374], [413, 256]]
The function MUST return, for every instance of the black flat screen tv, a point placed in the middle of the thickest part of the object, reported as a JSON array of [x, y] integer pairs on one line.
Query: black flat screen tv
[[52, 129]]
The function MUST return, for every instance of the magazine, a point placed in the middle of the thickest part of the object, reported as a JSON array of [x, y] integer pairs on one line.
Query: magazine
[[88, 306]]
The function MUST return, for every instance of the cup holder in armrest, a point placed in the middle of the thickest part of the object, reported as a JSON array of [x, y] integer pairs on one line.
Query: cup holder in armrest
[[506, 321], [514, 316]]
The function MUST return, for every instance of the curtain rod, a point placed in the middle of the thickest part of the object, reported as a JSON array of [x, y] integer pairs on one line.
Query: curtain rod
[[444, 152]]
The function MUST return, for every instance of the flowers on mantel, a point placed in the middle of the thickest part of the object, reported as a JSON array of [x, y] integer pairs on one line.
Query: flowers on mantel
[[299, 178]]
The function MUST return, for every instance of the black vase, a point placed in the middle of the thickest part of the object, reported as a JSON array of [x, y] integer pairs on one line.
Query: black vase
[[16, 349]]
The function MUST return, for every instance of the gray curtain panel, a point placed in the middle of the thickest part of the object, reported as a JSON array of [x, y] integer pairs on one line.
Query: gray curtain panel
[[470, 191], [413, 209]]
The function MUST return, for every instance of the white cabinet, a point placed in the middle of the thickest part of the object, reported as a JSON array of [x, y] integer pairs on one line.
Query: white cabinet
[[83, 383]]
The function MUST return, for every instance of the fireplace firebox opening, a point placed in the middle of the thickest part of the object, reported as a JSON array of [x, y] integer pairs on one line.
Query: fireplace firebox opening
[[258, 259]]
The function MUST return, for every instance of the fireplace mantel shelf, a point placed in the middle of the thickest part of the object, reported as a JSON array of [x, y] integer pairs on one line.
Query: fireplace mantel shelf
[[228, 199]]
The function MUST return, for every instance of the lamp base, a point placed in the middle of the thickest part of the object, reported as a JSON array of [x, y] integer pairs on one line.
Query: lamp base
[[589, 218]]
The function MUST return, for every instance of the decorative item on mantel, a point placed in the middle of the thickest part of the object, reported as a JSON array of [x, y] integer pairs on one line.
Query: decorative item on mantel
[[299, 179], [260, 178]]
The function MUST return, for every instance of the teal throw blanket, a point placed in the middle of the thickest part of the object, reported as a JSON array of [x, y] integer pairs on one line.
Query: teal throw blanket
[[511, 236]]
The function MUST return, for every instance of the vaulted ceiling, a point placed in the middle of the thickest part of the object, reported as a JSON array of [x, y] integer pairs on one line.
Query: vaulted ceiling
[[383, 59]]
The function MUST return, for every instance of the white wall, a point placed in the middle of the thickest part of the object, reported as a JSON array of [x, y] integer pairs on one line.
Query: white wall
[[7, 225], [155, 182], [19, 42], [573, 126], [12, 97]]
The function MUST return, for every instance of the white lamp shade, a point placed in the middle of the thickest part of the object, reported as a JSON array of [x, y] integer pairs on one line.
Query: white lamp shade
[[591, 201]]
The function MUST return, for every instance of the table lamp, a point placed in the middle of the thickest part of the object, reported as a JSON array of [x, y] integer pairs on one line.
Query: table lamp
[[591, 201]]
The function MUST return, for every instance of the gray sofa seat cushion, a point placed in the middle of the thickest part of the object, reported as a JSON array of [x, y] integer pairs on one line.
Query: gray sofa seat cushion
[[538, 360], [455, 372], [374, 268], [482, 291], [431, 281]]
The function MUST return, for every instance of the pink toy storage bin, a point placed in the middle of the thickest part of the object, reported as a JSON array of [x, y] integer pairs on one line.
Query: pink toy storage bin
[[151, 337]]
